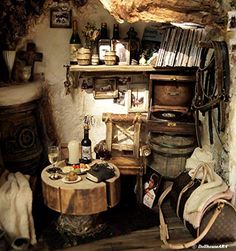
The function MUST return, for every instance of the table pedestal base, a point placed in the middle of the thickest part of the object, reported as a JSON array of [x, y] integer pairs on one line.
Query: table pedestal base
[[80, 225]]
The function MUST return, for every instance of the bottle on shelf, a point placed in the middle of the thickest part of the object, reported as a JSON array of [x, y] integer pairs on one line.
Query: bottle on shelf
[[134, 45], [86, 154], [116, 32], [115, 37], [75, 43], [104, 43]]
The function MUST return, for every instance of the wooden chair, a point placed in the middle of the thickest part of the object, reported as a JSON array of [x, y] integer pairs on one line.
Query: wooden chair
[[123, 138]]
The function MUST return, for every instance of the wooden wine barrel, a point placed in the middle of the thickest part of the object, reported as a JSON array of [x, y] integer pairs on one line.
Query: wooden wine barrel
[[169, 153], [21, 145]]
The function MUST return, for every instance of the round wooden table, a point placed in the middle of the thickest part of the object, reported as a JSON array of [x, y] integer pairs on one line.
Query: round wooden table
[[82, 198]]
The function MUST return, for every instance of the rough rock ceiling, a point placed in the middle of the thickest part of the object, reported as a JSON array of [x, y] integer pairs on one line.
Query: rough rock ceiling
[[204, 12]]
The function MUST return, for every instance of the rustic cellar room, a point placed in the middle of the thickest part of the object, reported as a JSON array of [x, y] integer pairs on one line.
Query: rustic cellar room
[[117, 125]]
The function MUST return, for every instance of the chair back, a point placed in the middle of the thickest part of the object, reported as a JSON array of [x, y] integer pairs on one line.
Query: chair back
[[123, 133]]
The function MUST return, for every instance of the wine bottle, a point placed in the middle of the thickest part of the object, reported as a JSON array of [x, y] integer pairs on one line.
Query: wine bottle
[[134, 45], [86, 147], [116, 32], [104, 43], [75, 43], [115, 37]]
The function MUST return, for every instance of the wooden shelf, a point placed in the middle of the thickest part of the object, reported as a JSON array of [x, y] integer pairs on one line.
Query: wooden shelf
[[112, 68], [127, 69]]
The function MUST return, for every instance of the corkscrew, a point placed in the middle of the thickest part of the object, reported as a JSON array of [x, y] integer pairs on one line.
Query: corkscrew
[[89, 121]]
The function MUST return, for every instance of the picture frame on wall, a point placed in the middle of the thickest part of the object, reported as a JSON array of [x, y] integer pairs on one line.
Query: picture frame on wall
[[122, 87], [231, 25], [232, 51], [105, 88], [138, 95], [122, 49], [60, 18]]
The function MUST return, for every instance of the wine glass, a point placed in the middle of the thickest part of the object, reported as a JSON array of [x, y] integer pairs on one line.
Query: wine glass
[[53, 156], [102, 151]]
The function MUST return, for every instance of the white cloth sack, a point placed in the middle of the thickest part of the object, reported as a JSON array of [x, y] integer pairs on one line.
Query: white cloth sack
[[16, 206]]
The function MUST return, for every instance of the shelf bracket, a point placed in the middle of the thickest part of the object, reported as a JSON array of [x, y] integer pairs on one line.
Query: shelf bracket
[[72, 80]]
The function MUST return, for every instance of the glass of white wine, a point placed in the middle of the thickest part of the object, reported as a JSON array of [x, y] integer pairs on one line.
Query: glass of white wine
[[53, 157]]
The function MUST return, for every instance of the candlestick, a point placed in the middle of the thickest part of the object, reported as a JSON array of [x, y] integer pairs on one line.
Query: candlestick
[[74, 152]]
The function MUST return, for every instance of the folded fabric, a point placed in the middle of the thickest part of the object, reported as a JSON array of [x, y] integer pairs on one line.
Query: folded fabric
[[16, 206], [200, 156], [202, 196]]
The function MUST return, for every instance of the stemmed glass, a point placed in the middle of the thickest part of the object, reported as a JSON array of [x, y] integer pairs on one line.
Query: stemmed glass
[[103, 152], [53, 156]]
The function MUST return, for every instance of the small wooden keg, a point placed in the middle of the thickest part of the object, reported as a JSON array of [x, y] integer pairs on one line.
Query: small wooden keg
[[84, 56], [110, 58]]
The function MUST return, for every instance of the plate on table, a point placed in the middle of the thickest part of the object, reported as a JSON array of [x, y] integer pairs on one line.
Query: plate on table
[[64, 179], [81, 169], [66, 169]]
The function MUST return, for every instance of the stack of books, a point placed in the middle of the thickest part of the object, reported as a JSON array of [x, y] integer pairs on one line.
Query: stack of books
[[180, 47]]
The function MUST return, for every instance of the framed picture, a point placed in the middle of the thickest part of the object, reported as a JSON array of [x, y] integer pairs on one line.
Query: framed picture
[[231, 21], [138, 97], [105, 88], [122, 87], [60, 18], [233, 53], [122, 49], [152, 188]]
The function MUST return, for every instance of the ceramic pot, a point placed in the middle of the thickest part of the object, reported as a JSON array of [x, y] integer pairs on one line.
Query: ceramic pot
[[24, 73], [95, 59]]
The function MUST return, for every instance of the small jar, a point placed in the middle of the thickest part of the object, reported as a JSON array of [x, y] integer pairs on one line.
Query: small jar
[[95, 59], [24, 73]]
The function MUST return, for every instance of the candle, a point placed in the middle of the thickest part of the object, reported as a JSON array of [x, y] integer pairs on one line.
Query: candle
[[74, 151]]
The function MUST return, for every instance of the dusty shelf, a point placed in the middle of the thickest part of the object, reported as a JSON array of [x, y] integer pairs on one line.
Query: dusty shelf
[[112, 68]]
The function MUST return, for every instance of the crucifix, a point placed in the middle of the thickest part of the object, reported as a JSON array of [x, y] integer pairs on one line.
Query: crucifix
[[30, 56]]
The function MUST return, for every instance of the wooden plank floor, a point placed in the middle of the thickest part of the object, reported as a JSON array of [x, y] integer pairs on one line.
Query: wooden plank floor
[[145, 240], [148, 239]]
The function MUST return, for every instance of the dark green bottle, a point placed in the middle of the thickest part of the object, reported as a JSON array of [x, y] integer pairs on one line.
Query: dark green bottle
[[75, 43], [86, 147], [104, 43]]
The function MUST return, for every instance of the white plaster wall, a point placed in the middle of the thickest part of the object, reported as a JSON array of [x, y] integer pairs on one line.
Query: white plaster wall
[[231, 36], [69, 110]]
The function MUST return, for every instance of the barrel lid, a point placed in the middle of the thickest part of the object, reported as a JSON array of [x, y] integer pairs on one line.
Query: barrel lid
[[20, 93]]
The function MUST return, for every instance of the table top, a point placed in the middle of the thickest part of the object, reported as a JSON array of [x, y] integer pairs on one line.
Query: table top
[[83, 184]]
